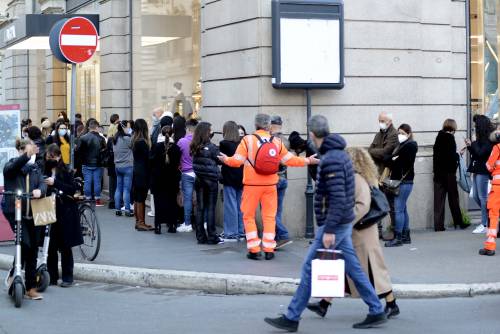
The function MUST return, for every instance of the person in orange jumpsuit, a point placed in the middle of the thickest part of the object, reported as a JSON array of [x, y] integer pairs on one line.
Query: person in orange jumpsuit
[[259, 188], [493, 165]]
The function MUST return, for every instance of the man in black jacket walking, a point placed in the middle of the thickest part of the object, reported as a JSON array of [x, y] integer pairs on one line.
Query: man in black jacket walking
[[92, 149], [334, 208]]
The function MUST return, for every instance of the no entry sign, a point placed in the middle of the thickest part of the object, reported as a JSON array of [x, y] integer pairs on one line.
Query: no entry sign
[[74, 40]]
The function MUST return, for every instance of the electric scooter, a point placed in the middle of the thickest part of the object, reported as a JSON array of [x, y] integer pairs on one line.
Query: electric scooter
[[42, 278], [17, 288]]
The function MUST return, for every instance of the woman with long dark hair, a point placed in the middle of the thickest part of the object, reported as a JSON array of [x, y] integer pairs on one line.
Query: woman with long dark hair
[[402, 166], [165, 178], [445, 164], [141, 145], [66, 232], [232, 179], [205, 166], [124, 167], [480, 151], [61, 138]]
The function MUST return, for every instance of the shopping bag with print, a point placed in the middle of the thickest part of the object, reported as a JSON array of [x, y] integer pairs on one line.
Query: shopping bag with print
[[327, 278]]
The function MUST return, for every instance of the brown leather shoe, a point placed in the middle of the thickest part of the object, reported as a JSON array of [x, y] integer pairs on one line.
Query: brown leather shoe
[[33, 294], [141, 227]]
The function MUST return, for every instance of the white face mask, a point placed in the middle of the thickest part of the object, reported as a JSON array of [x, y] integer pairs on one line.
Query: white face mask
[[402, 138], [129, 131], [382, 126], [31, 161], [161, 138]]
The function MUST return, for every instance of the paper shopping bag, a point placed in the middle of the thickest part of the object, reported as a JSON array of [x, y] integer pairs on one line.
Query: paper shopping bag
[[327, 278], [44, 210]]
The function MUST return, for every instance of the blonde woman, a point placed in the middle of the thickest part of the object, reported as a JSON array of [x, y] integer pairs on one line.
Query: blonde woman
[[365, 241]]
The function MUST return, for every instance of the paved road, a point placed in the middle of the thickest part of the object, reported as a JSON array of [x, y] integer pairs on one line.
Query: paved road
[[101, 308]]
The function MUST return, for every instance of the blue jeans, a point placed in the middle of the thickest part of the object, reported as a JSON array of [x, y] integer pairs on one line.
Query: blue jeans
[[187, 186], [123, 187], [281, 230], [233, 217], [480, 190], [400, 208], [92, 175], [353, 269]]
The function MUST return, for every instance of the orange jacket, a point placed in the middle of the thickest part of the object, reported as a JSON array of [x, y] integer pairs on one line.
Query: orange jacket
[[493, 164], [246, 151]]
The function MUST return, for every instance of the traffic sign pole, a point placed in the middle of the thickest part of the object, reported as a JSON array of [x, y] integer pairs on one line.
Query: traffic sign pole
[[73, 41], [73, 116]]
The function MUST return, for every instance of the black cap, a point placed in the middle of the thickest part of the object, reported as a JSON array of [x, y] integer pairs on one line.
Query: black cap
[[276, 120]]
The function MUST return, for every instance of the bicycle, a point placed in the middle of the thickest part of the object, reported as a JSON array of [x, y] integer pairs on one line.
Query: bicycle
[[91, 231]]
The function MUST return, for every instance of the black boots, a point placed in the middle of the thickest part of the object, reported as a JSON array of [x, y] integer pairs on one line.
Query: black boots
[[396, 242], [254, 256], [320, 308], [486, 252], [391, 309], [406, 238], [371, 321], [283, 323]]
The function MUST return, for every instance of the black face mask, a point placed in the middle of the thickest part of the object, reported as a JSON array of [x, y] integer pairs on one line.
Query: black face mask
[[50, 164]]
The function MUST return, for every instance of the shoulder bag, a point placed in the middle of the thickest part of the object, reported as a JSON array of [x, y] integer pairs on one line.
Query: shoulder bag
[[379, 209]]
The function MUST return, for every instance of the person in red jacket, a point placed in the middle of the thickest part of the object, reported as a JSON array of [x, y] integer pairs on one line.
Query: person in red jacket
[[259, 188], [493, 165]]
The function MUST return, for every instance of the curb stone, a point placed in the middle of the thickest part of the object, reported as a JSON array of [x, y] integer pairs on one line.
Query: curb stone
[[233, 284]]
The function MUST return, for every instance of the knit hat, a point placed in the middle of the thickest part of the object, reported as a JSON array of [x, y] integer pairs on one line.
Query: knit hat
[[296, 141], [276, 120]]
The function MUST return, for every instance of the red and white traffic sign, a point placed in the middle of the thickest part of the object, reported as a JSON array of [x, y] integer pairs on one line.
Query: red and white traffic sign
[[78, 39]]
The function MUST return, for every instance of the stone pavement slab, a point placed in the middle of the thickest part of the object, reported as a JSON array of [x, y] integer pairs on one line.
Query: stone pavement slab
[[432, 258]]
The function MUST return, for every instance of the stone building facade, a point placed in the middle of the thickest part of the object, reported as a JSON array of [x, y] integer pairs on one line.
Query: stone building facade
[[408, 58]]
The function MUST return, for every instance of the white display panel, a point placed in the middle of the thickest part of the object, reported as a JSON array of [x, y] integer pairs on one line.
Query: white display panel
[[310, 51]]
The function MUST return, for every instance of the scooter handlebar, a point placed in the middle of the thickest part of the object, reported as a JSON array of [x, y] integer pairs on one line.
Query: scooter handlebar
[[17, 193]]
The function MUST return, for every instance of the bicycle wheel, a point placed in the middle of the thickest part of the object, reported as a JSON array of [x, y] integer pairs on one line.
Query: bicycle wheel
[[91, 232]]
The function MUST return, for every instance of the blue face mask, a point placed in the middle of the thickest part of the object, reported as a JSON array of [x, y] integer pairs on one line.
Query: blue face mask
[[62, 132], [128, 131]]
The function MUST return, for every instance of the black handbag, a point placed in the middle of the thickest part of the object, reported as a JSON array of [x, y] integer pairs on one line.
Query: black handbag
[[379, 208]]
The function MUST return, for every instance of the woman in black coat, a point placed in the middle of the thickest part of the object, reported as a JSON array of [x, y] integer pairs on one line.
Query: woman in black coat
[[141, 145], [205, 166], [66, 232], [402, 166], [165, 177], [16, 173], [445, 164]]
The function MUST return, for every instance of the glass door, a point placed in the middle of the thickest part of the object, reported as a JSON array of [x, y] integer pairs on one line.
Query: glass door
[[88, 90]]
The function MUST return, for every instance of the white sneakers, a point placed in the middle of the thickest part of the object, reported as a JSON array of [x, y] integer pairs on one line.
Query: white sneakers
[[480, 229], [184, 228], [151, 214]]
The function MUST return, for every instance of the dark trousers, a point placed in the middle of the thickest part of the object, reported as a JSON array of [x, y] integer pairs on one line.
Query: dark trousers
[[67, 263], [443, 185], [206, 196], [112, 186], [29, 256]]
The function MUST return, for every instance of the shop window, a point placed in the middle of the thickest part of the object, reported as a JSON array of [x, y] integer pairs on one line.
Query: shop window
[[485, 32], [166, 57]]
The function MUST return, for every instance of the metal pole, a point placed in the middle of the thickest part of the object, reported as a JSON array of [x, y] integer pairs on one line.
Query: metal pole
[[72, 115], [309, 188], [468, 68]]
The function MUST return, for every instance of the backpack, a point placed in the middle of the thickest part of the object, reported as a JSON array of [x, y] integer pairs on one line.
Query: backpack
[[267, 158]]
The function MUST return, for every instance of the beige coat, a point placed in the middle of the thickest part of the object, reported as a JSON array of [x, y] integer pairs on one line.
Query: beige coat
[[367, 244]]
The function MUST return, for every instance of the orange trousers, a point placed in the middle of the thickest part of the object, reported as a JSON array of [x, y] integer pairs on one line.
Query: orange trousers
[[267, 196], [494, 210]]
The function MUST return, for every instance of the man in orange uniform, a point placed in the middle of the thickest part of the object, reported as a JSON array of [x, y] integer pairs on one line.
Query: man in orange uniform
[[493, 166], [259, 188]]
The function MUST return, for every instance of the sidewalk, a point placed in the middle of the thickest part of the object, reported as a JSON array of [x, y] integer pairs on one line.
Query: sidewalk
[[433, 258]]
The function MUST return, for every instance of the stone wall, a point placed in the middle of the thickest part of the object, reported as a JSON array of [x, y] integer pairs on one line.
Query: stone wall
[[404, 57]]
